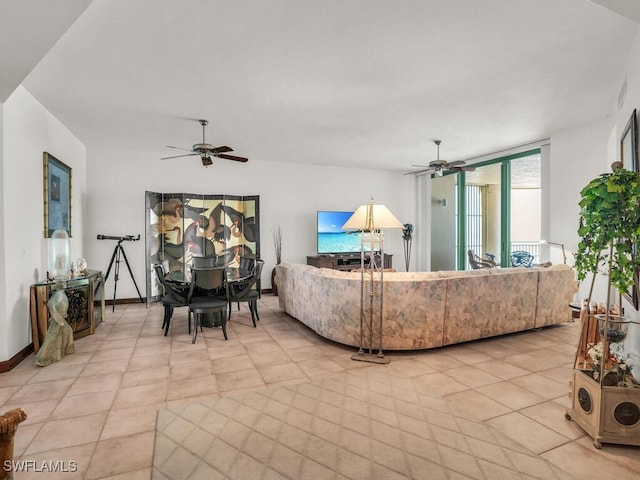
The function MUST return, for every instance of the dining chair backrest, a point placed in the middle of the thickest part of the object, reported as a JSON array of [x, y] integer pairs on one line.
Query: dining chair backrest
[[209, 280], [203, 262], [247, 264], [168, 288], [240, 289]]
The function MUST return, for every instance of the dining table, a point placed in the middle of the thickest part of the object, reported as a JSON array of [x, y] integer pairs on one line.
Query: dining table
[[233, 275]]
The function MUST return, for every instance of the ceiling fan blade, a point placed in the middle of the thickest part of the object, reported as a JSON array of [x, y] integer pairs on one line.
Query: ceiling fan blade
[[419, 171], [462, 169], [176, 156], [231, 157], [421, 166], [180, 148], [221, 149], [456, 163]]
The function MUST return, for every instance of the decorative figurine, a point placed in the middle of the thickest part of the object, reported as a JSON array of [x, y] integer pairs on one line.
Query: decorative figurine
[[59, 339]]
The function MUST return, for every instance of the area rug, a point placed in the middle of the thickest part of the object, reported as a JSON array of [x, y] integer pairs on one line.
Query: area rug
[[362, 424]]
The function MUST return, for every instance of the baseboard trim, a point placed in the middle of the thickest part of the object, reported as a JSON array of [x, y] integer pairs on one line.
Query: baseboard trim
[[14, 361], [120, 301]]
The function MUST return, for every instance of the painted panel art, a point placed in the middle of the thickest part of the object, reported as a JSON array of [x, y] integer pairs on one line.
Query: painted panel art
[[181, 226]]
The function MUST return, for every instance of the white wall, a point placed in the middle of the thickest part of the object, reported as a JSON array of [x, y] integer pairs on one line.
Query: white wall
[[28, 131], [290, 194], [4, 339]]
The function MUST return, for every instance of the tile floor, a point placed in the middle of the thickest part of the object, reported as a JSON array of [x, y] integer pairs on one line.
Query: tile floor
[[98, 407]]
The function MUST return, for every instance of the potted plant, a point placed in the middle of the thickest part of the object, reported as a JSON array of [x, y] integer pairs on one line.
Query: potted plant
[[609, 228], [603, 385]]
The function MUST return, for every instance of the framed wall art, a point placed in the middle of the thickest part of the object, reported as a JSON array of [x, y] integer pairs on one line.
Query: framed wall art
[[629, 159], [57, 195], [629, 144]]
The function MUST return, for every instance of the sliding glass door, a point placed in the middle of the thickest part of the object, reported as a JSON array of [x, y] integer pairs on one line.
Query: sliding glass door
[[491, 211]]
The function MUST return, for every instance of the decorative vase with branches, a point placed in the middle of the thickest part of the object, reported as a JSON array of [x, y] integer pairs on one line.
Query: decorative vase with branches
[[277, 244]]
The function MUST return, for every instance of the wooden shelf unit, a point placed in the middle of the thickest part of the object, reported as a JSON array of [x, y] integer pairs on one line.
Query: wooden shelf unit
[[345, 261], [86, 306]]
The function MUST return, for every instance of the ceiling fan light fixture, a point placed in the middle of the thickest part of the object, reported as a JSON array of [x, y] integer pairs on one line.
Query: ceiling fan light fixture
[[206, 161]]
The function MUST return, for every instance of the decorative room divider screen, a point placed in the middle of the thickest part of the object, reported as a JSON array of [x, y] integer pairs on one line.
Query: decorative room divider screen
[[183, 225]]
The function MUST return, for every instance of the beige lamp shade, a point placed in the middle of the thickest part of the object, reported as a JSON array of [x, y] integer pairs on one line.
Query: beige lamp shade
[[372, 217]]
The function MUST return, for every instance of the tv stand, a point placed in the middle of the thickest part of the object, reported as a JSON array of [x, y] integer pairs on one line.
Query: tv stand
[[345, 261]]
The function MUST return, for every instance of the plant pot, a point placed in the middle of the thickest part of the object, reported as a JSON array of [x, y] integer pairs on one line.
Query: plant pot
[[274, 287]]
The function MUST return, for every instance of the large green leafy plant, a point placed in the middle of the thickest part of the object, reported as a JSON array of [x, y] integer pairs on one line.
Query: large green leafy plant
[[610, 228]]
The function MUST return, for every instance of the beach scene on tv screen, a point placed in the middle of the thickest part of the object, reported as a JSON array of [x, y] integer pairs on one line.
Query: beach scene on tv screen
[[331, 237]]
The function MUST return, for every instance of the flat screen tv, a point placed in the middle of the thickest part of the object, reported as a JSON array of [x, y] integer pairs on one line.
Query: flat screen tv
[[331, 238]]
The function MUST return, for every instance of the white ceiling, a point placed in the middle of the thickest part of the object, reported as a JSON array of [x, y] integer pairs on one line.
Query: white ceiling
[[337, 82]]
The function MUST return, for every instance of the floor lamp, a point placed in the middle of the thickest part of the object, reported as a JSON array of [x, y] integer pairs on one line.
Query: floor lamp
[[371, 220]]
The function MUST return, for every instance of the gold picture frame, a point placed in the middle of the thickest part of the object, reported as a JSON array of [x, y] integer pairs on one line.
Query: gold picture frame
[[57, 195]]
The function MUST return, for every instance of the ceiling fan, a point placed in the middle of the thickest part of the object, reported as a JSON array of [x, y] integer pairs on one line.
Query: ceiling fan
[[206, 151], [440, 166]]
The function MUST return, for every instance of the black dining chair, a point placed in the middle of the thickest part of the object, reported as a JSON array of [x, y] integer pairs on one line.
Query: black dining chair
[[247, 290], [209, 294], [175, 295], [207, 262]]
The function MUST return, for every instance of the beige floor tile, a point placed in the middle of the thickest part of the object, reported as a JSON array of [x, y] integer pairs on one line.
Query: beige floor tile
[[145, 376], [500, 369], [410, 367], [41, 391], [37, 412], [440, 383], [184, 357], [95, 383], [20, 375], [133, 452], [191, 370], [69, 432], [281, 373], [128, 421], [7, 392], [152, 348], [478, 404], [466, 355], [510, 395], [585, 463], [140, 395], [542, 385], [89, 403], [231, 364], [112, 354], [129, 355], [192, 387], [23, 437], [57, 371], [142, 474], [273, 357], [319, 366], [147, 362], [73, 460], [230, 351], [472, 377], [105, 368], [533, 435], [242, 379]]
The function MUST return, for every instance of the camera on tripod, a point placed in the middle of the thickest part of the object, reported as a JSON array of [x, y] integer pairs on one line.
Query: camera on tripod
[[129, 238]]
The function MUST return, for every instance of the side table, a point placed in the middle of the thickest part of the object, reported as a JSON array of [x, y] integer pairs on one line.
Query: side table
[[86, 306]]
